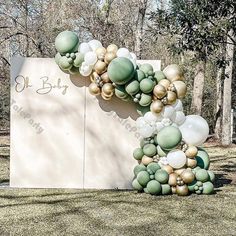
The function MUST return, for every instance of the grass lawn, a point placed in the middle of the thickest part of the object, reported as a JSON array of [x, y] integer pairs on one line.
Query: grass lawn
[[100, 212]]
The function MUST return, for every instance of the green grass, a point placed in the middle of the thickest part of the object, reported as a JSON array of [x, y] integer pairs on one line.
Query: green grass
[[100, 212]]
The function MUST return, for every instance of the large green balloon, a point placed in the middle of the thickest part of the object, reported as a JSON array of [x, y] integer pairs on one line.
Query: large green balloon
[[208, 188], [203, 159], [159, 75], [66, 41], [138, 153], [146, 68], [145, 100], [136, 185], [169, 137], [143, 178], [139, 168], [161, 152], [120, 70], [162, 176], [153, 167], [146, 85], [154, 187], [165, 189], [202, 175], [132, 87], [149, 150]]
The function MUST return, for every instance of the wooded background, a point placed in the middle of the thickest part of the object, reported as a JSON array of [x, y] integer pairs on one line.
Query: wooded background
[[197, 34]]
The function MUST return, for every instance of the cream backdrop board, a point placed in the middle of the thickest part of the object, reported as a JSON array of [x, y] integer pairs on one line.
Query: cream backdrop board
[[63, 137]]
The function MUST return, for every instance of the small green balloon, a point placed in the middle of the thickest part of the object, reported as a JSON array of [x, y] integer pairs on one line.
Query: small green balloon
[[154, 187], [138, 168], [142, 110], [146, 190], [146, 68], [211, 175], [202, 175], [145, 100], [138, 153], [146, 85], [120, 92], [132, 87], [149, 150], [153, 167], [64, 63], [143, 178], [74, 71], [78, 60], [57, 58], [161, 152], [165, 189], [203, 159], [159, 75], [136, 185], [139, 75], [162, 176], [208, 188], [192, 185]]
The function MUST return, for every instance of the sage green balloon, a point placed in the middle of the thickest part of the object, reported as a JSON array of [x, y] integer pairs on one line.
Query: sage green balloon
[[202, 175], [120, 70], [150, 150], [143, 178], [66, 41], [162, 176], [57, 58], [138, 153], [159, 75], [136, 185], [146, 85], [211, 175], [192, 185], [64, 63], [120, 92], [138, 168], [146, 68], [146, 190], [132, 87], [153, 167], [208, 188], [169, 137], [154, 187], [78, 60], [139, 75], [142, 110], [74, 70], [161, 152], [165, 189], [203, 159], [145, 100]]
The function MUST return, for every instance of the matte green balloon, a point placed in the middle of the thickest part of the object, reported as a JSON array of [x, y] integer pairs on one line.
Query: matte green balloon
[[120, 70], [153, 167], [132, 87], [203, 159], [161, 152], [146, 190], [149, 150], [78, 60], [146, 68], [66, 41], [202, 175], [120, 92], [162, 176], [208, 188], [139, 168], [146, 85], [169, 137], [57, 58], [143, 178], [165, 189], [74, 70], [136, 185], [145, 100], [154, 187], [211, 175], [192, 185], [139, 75], [64, 63], [138, 153], [159, 75], [142, 110]]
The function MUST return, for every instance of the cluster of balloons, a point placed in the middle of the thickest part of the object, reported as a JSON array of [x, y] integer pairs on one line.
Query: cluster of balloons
[[169, 157]]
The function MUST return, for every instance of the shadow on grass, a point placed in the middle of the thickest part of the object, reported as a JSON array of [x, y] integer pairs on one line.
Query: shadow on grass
[[221, 180]]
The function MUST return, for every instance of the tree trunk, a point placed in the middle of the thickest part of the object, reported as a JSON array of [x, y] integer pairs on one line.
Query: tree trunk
[[226, 119], [139, 30], [198, 85]]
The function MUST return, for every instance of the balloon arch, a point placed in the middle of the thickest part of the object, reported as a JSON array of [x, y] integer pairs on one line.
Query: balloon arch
[[169, 158]]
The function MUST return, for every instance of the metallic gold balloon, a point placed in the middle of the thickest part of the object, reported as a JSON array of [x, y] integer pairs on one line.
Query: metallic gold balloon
[[187, 176], [109, 56], [156, 106], [173, 179], [146, 160], [100, 67], [180, 88], [182, 190], [173, 189], [108, 89], [93, 76], [191, 162], [105, 97], [173, 72], [191, 152], [101, 51], [179, 171], [112, 48], [165, 83], [159, 91], [171, 97], [94, 89], [105, 77], [167, 168]]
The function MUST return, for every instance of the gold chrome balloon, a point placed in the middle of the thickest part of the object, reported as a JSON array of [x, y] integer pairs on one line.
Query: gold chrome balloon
[[167, 168], [101, 53], [112, 48], [109, 56], [108, 89], [180, 88], [156, 106], [173, 179], [191, 162], [106, 97], [93, 76], [182, 190], [100, 67], [173, 189], [94, 89], [165, 83], [187, 176], [173, 73], [146, 160], [171, 97], [105, 77], [191, 152], [179, 171], [159, 91]]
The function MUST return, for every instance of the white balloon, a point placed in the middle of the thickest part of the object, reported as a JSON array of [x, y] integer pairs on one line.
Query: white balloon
[[90, 58], [194, 130], [163, 161], [150, 117], [179, 118], [85, 69], [159, 116], [176, 159], [146, 131], [94, 44], [166, 122], [84, 48], [123, 52], [169, 112], [178, 105], [133, 56], [159, 126]]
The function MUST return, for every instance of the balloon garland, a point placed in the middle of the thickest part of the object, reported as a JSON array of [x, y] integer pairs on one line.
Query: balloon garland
[[170, 159]]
